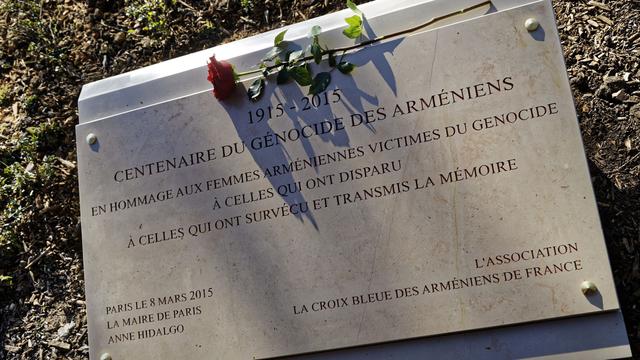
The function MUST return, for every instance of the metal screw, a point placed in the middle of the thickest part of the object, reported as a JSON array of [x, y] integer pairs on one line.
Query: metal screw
[[531, 24], [92, 139], [588, 287], [105, 356]]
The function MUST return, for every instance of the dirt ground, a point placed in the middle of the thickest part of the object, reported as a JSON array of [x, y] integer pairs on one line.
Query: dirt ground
[[49, 49]]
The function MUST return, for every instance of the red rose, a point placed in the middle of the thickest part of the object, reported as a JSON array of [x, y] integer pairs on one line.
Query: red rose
[[222, 77]]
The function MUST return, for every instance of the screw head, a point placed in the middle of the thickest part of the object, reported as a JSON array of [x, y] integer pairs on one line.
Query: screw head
[[92, 139], [588, 287], [105, 356], [531, 24]]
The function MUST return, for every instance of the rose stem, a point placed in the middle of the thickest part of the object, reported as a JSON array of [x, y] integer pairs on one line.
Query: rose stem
[[372, 41]]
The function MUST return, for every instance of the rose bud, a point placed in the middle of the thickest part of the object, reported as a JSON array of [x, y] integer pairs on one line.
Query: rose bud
[[222, 77]]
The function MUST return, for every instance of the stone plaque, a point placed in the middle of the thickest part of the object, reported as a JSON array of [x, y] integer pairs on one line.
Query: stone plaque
[[441, 188]]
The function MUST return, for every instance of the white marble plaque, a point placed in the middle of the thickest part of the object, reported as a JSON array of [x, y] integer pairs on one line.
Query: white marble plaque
[[441, 188]]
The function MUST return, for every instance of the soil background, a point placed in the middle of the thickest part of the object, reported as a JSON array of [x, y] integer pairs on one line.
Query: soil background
[[49, 49]]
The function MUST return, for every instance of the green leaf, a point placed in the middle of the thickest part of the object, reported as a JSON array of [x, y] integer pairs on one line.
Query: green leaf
[[256, 89], [320, 83], [301, 75], [355, 27], [278, 50], [314, 48], [273, 53], [295, 56], [346, 67], [279, 38], [315, 31], [284, 44], [354, 20], [316, 51], [352, 32], [332, 59], [283, 76], [354, 8]]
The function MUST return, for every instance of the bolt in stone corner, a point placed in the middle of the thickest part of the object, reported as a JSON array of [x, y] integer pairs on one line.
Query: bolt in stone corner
[[531, 24], [92, 139], [588, 288], [105, 356]]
